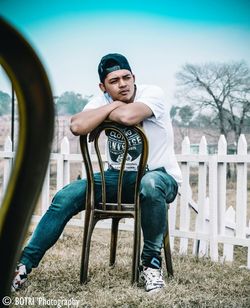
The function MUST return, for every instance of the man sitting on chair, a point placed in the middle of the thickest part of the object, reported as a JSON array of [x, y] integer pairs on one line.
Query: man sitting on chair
[[124, 102]]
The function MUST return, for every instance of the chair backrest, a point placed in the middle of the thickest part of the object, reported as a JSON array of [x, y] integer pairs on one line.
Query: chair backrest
[[107, 127]]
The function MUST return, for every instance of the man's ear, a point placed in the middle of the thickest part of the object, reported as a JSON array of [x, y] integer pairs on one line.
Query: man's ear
[[102, 87], [133, 77]]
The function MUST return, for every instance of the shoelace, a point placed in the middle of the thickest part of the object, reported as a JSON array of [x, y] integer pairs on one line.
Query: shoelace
[[154, 275]]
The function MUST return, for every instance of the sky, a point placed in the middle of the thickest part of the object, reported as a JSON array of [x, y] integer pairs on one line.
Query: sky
[[157, 37]]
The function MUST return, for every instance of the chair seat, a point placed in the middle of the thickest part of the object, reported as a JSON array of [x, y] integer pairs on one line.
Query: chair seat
[[127, 210], [115, 207], [100, 214]]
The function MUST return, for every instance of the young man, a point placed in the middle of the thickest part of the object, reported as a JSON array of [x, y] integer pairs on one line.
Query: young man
[[123, 102]]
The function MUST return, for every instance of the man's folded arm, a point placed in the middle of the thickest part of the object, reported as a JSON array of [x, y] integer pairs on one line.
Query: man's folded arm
[[130, 114], [84, 122]]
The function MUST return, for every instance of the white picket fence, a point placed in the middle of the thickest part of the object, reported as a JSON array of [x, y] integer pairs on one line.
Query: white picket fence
[[210, 226]]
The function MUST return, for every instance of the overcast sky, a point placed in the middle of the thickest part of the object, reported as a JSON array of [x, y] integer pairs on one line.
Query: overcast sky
[[157, 37]]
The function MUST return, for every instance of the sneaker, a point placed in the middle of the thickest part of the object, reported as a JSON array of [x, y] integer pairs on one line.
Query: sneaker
[[152, 279], [20, 277]]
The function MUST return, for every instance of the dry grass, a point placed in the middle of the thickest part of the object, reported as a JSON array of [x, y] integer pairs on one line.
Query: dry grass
[[195, 283]]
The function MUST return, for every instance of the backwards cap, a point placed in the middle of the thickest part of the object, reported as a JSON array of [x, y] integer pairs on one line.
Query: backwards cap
[[110, 63]]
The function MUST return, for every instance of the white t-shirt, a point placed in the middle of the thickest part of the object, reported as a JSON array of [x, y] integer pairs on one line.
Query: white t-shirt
[[158, 129]]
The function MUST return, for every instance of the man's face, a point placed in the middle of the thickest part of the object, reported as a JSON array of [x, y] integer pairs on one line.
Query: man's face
[[120, 85]]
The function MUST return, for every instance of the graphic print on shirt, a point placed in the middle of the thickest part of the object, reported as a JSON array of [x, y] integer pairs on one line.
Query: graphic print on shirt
[[116, 146]]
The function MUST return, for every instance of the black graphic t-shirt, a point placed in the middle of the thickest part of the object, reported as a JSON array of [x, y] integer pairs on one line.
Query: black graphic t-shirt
[[116, 146]]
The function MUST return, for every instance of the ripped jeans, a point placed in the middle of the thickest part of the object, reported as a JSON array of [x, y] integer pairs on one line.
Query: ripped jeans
[[157, 189]]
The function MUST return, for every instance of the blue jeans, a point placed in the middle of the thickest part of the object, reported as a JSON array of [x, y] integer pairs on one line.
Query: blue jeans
[[157, 189]]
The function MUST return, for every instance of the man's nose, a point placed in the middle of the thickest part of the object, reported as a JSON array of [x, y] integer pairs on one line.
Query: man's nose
[[122, 83]]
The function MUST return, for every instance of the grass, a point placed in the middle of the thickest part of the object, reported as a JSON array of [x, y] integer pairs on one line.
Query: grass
[[196, 283]]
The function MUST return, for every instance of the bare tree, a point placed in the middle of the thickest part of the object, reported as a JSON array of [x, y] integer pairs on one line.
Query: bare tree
[[223, 89]]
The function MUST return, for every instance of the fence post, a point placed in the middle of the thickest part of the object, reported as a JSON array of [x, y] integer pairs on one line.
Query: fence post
[[248, 251], [228, 249], [241, 191], [185, 193], [66, 167], [45, 191], [63, 168], [222, 175], [200, 246], [59, 171], [213, 207], [7, 162], [172, 221]]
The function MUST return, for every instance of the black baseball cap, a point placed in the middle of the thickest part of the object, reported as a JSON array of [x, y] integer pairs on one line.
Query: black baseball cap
[[110, 63]]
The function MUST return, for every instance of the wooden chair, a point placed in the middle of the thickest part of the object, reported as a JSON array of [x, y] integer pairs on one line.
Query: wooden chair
[[115, 211]]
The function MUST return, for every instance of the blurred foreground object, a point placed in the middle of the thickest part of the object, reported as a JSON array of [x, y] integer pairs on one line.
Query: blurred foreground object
[[36, 114]]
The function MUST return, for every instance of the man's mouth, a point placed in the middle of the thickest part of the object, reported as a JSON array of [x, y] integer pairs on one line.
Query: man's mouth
[[124, 92]]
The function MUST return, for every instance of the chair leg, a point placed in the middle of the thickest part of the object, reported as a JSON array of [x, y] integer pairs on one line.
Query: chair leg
[[88, 230], [136, 248], [167, 252], [113, 242]]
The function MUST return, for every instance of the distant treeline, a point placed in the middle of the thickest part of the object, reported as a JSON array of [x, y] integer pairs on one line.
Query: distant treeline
[[66, 104]]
